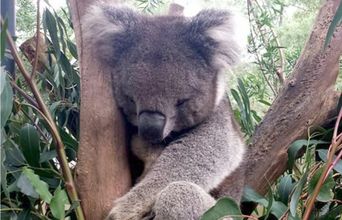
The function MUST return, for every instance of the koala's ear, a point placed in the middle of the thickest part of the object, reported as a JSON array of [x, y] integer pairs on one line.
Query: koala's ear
[[214, 34], [109, 31]]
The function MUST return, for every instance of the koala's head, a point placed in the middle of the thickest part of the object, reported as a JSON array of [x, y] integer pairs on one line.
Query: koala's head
[[167, 71]]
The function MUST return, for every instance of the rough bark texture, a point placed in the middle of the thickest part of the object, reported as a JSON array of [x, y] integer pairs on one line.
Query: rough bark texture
[[102, 168], [308, 99]]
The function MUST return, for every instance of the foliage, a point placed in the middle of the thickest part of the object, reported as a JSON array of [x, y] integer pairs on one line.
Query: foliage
[[25, 20], [335, 22], [149, 6], [223, 207], [31, 182], [288, 198]]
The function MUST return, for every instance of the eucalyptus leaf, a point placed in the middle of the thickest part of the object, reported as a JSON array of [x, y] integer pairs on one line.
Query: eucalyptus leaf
[[296, 194], [3, 39], [335, 22], [58, 202], [26, 187], [323, 154], [13, 156], [6, 98], [223, 207], [285, 187], [332, 214], [72, 48], [297, 145], [29, 143], [31, 185], [50, 24], [325, 193], [275, 207]]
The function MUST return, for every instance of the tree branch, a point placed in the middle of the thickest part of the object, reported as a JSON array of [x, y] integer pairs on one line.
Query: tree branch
[[308, 99]]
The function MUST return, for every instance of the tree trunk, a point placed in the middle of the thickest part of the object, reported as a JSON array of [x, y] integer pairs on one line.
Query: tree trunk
[[102, 167], [307, 99]]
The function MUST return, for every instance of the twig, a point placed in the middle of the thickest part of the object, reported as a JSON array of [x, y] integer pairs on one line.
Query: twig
[[280, 70], [36, 125], [327, 168], [35, 64], [249, 9], [24, 94], [62, 158]]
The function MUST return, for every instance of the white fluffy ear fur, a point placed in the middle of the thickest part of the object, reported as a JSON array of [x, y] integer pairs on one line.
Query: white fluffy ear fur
[[220, 87], [104, 28], [231, 39]]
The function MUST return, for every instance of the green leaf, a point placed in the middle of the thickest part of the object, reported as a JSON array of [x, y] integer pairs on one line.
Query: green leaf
[[13, 155], [323, 154], [3, 172], [26, 187], [65, 64], [278, 209], [29, 143], [3, 39], [332, 214], [25, 214], [31, 185], [67, 139], [48, 155], [325, 194], [222, 208], [249, 195], [285, 187], [296, 194], [72, 48], [6, 98], [296, 146], [275, 207], [58, 202], [335, 22], [264, 102], [50, 24]]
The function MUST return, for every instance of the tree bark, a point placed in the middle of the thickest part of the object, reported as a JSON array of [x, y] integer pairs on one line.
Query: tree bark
[[102, 167], [307, 99]]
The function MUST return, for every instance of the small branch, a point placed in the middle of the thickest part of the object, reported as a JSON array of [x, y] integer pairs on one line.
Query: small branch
[[24, 94], [35, 64], [35, 124], [281, 69], [249, 9], [327, 168], [62, 158]]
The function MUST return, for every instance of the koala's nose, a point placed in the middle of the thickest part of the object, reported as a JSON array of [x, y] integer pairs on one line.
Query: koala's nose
[[151, 126]]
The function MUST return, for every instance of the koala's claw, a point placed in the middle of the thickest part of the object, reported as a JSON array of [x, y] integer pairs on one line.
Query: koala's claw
[[129, 208], [128, 214]]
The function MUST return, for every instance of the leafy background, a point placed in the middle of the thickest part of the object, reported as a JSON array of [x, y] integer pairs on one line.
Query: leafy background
[[31, 183]]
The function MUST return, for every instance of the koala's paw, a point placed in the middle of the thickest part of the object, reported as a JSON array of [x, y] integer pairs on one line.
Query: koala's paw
[[129, 209]]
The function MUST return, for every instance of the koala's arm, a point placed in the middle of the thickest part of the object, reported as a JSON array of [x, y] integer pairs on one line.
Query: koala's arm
[[146, 152], [204, 156]]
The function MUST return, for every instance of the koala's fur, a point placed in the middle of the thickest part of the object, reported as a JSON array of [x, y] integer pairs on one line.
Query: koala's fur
[[168, 79]]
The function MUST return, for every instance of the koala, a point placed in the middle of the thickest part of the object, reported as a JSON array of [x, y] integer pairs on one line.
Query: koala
[[168, 77]]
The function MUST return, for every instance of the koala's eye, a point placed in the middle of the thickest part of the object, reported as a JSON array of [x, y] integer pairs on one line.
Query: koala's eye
[[181, 102]]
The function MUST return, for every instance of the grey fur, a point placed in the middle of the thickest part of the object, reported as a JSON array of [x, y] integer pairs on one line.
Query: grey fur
[[171, 66]]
